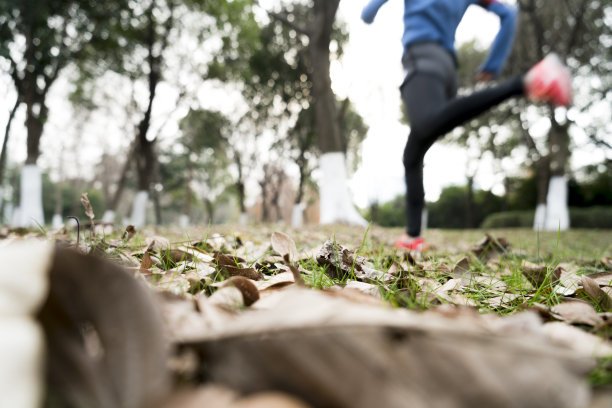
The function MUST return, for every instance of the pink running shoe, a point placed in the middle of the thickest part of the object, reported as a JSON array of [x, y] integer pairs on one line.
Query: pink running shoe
[[549, 81], [410, 244]]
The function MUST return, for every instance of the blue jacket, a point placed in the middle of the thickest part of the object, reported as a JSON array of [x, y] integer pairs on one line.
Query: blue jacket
[[437, 20]]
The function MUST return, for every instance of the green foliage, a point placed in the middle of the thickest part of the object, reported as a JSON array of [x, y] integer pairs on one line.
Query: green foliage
[[509, 219], [591, 217], [389, 214], [451, 209]]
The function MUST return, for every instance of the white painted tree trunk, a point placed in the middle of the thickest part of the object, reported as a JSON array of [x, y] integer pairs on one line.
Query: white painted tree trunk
[[243, 219], [57, 221], [336, 204], [109, 216], [540, 217], [30, 200], [139, 209], [297, 215], [424, 219], [23, 288], [183, 221], [557, 212]]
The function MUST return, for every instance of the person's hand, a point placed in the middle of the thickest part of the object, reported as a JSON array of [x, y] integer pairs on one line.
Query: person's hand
[[484, 76]]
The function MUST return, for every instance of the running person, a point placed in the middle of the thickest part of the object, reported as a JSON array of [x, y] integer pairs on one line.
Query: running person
[[429, 89]]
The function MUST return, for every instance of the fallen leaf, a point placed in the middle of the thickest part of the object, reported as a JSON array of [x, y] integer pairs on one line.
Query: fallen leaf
[[489, 247], [157, 244], [576, 312], [583, 343], [229, 298], [505, 299], [462, 267], [606, 262], [538, 275], [247, 287], [596, 294], [570, 280], [602, 278], [197, 253], [129, 233], [450, 285], [229, 271], [88, 209], [490, 283], [363, 287], [341, 263], [285, 246], [146, 263], [280, 279]]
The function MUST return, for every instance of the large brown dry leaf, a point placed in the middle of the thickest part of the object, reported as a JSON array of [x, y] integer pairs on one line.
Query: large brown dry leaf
[[280, 279], [250, 292], [602, 278], [490, 247], [569, 280], [596, 294], [146, 263], [462, 267], [285, 246], [229, 298], [229, 271], [577, 312], [129, 233], [538, 275], [305, 341], [157, 244], [121, 317], [363, 287], [583, 343]]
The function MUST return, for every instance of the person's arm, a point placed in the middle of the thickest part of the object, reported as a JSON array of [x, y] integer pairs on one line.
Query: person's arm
[[369, 11], [502, 44]]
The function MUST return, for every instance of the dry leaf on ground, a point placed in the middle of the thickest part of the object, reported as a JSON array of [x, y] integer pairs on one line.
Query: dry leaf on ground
[[538, 275], [577, 312], [596, 295]]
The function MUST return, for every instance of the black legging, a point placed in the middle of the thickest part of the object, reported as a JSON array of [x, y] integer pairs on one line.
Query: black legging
[[432, 114]]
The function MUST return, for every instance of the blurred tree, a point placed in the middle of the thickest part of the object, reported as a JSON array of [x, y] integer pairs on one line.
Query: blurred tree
[[315, 29], [177, 42], [205, 144], [39, 38], [3, 151]]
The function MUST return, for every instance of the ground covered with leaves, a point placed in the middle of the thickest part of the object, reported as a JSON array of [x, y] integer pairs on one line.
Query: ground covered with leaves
[[217, 282]]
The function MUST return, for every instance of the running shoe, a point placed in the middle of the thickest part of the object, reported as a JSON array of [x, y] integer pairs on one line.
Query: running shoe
[[549, 81], [410, 244]]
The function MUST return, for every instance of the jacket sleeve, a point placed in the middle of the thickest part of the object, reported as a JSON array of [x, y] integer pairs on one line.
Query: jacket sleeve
[[500, 49], [369, 11]]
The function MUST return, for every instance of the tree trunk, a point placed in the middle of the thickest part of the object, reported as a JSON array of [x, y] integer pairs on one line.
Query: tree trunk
[[469, 210], [109, 215], [335, 199], [7, 134], [326, 108], [240, 189], [557, 212]]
